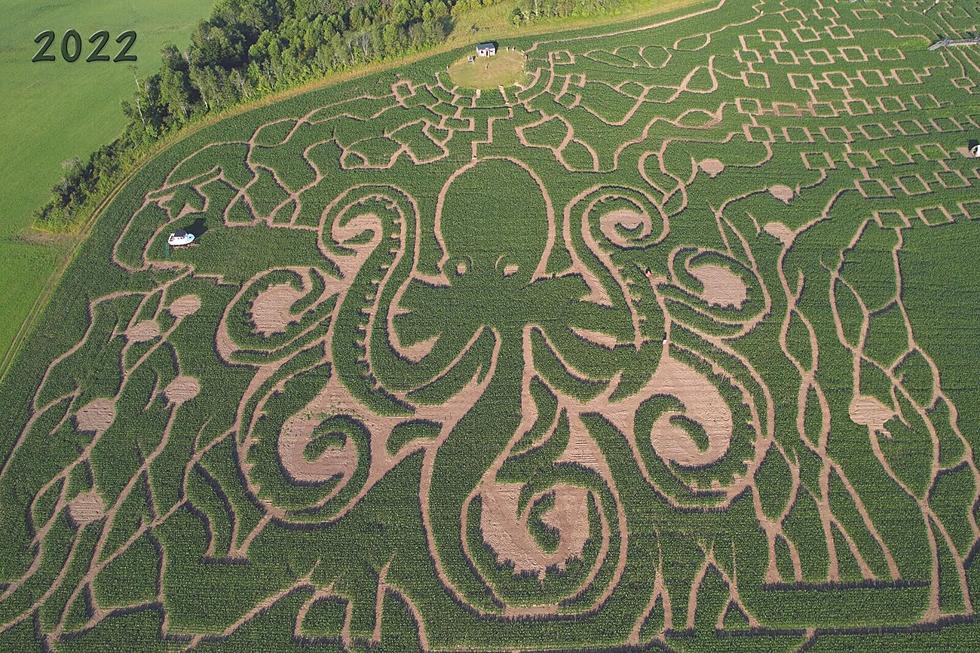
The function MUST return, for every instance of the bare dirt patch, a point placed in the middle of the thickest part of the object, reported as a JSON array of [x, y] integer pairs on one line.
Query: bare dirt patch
[[143, 331], [97, 416], [86, 508], [595, 337], [703, 404], [182, 389], [185, 306], [507, 531], [782, 193], [870, 412], [271, 309], [780, 232], [334, 461], [722, 287], [626, 219], [712, 167]]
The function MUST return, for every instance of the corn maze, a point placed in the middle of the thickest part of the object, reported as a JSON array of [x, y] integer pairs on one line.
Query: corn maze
[[665, 349]]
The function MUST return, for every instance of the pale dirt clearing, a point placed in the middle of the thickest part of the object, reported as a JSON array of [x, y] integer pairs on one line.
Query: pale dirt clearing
[[182, 389], [185, 306], [419, 350], [870, 412], [627, 219], [143, 331], [86, 508], [703, 404], [712, 167], [722, 287], [271, 309], [334, 461], [596, 337], [782, 193], [780, 232], [507, 531], [97, 416]]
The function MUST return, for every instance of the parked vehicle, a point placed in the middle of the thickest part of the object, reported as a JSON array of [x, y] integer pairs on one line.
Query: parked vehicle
[[180, 238]]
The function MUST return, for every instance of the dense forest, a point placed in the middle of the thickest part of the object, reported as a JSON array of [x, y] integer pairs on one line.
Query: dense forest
[[248, 48]]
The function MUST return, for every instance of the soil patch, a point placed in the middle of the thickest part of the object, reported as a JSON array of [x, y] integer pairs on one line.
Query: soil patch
[[596, 337], [271, 309], [86, 508], [722, 287], [144, 331], [420, 349], [781, 192], [182, 389], [507, 532], [626, 219], [703, 404], [780, 232], [713, 167], [184, 306], [870, 412], [97, 416]]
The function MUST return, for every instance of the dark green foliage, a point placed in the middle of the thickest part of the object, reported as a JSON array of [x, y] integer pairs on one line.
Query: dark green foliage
[[325, 618], [131, 578], [408, 432]]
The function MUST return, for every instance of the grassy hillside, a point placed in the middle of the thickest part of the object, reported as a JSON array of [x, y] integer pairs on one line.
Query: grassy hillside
[[55, 111]]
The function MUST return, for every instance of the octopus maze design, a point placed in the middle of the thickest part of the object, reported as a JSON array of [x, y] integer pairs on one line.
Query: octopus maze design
[[619, 357]]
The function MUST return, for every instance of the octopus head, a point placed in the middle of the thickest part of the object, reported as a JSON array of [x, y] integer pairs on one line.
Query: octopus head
[[493, 221]]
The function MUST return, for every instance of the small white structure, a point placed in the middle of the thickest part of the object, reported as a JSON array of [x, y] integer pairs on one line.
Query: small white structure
[[975, 151], [180, 238], [487, 49]]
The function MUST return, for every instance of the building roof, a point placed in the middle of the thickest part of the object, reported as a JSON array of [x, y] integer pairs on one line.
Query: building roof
[[486, 45]]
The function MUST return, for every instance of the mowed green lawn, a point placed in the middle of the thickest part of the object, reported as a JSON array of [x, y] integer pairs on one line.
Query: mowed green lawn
[[52, 112], [504, 69]]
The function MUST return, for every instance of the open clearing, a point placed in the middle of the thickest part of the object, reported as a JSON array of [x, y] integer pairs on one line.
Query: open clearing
[[671, 346], [506, 68]]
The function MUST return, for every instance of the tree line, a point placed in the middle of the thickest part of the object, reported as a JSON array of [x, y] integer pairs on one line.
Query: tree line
[[249, 48], [243, 50]]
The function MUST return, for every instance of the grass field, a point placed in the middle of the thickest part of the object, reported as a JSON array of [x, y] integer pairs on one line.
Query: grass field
[[504, 69], [55, 111], [665, 348]]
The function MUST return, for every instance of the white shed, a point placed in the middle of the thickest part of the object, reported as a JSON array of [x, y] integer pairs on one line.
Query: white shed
[[487, 49]]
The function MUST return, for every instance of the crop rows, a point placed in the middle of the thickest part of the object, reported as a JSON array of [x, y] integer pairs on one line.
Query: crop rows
[[668, 346]]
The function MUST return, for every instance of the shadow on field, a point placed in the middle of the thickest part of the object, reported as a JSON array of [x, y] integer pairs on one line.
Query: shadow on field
[[197, 228]]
